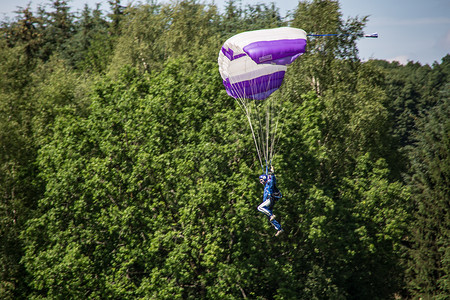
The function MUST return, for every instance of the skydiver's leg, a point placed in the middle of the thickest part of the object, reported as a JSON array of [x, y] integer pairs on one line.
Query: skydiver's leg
[[276, 225], [265, 208]]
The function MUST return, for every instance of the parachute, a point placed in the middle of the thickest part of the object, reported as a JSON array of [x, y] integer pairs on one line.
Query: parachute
[[252, 65]]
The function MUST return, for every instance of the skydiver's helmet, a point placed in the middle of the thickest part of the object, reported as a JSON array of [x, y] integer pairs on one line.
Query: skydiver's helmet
[[263, 178]]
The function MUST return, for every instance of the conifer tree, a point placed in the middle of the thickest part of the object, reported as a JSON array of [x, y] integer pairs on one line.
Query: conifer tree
[[59, 29], [430, 182]]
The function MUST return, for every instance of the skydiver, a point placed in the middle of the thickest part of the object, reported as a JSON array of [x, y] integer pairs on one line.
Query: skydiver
[[271, 196]]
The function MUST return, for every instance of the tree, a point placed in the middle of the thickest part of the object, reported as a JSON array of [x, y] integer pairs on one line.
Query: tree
[[25, 32], [139, 45], [430, 175], [141, 153], [19, 186], [90, 48], [118, 12], [323, 17], [59, 29], [412, 90]]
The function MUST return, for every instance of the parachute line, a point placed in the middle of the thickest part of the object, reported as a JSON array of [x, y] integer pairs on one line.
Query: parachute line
[[263, 118], [372, 35], [243, 103]]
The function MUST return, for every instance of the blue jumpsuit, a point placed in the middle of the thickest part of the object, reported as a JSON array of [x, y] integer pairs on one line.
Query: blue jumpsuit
[[269, 201]]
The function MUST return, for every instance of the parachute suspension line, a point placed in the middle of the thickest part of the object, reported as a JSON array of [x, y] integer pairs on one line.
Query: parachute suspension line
[[263, 117], [252, 109], [272, 115], [256, 117], [271, 118], [268, 127], [261, 109], [243, 104], [266, 114], [261, 133], [278, 109], [255, 140]]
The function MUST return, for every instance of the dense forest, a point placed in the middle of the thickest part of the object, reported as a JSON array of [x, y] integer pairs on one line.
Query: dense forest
[[126, 171]]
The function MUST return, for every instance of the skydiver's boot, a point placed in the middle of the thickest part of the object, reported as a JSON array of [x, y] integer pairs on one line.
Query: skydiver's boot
[[279, 232]]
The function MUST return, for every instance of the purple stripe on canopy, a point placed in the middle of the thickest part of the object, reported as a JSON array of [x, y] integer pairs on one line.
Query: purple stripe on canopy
[[259, 96], [258, 88], [285, 60], [230, 54], [281, 52], [246, 89]]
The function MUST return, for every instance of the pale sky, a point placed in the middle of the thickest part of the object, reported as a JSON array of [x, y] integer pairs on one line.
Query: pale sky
[[409, 30]]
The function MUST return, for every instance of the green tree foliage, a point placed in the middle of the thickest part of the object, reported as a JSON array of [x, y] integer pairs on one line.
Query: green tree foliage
[[429, 264], [345, 208], [413, 89], [322, 51], [18, 175], [56, 87], [153, 32], [90, 47], [116, 15], [355, 107], [139, 44], [146, 159], [25, 32], [126, 171], [58, 29]]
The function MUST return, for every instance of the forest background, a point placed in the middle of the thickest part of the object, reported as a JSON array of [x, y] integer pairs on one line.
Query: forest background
[[126, 171]]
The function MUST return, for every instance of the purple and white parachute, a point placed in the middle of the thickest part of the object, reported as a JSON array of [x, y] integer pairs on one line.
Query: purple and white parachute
[[252, 65]]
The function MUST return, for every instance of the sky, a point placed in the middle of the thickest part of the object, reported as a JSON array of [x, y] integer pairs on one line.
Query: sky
[[409, 30]]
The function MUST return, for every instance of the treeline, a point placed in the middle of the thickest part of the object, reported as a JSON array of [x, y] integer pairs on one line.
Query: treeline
[[126, 171]]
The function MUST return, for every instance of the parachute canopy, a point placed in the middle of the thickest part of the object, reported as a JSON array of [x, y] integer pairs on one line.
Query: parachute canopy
[[253, 63]]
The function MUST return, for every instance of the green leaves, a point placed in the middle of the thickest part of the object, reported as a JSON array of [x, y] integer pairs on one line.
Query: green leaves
[[136, 186]]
